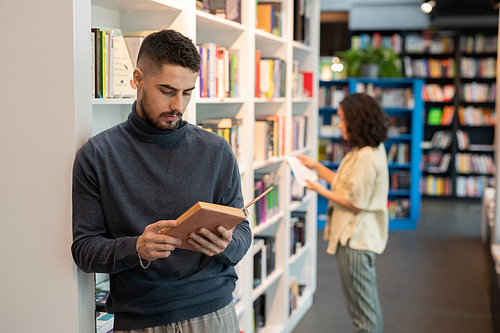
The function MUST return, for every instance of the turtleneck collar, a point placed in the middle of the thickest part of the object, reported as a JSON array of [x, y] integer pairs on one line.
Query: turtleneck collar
[[148, 133]]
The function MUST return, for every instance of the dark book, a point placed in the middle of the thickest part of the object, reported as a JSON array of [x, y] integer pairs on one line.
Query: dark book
[[97, 62]]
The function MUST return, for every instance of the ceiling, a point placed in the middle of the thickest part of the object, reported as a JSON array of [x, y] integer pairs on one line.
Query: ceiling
[[464, 8], [465, 14]]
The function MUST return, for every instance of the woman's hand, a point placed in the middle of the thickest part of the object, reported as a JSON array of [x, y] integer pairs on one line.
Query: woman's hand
[[307, 161]]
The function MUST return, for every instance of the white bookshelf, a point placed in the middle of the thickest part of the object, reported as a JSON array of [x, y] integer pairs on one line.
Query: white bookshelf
[[140, 15]]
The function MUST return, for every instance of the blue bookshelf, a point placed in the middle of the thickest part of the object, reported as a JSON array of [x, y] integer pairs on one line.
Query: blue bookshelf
[[401, 99]]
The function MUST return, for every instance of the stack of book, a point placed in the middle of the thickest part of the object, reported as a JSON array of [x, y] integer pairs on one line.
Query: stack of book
[[230, 129], [269, 205], [269, 17], [269, 134], [270, 77], [218, 71]]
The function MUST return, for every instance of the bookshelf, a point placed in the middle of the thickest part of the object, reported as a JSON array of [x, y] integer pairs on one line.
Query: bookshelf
[[459, 69], [401, 100], [295, 108]]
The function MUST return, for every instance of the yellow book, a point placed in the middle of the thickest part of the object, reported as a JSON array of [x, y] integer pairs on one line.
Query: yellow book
[[104, 68]]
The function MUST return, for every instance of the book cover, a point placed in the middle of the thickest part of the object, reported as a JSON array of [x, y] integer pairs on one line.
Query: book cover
[[209, 216]]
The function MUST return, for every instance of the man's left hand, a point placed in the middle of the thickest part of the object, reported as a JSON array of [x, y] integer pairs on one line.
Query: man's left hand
[[209, 243]]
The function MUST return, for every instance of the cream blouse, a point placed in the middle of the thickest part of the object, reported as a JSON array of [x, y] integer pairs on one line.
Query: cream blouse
[[363, 179]]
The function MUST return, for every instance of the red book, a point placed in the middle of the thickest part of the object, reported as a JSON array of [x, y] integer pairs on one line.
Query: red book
[[257, 73]]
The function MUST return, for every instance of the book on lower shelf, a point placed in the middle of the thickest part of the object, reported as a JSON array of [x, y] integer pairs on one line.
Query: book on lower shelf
[[104, 322], [259, 313]]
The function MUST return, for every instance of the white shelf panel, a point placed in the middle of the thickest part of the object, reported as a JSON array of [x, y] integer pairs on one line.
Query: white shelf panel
[[212, 22], [263, 164], [239, 307], [270, 100], [272, 329], [113, 101], [295, 205], [228, 100], [298, 254], [266, 38], [268, 282], [300, 47], [302, 100], [267, 224], [140, 5]]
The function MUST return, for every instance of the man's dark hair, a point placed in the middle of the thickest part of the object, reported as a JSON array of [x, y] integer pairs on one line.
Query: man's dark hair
[[167, 47], [367, 123]]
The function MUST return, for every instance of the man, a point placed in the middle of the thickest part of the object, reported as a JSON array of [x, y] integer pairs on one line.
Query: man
[[133, 180]]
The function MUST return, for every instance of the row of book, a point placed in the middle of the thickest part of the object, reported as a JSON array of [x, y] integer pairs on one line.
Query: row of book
[[388, 97], [399, 153], [478, 43], [295, 291], [227, 9], [436, 161], [230, 129], [436, 186], [482, 164], [429, 42], [332, 151], [331, 128], [302, 81], [269, 17], [476, 116], [112, 65], [476, 92], [331, 96], [433, 92], [269, 205], [400, 180], [218, 75], [297, 231], [398, 208], [270, 77], [299, 132], [264, 258], [440, 116], [473, 187], [363, 41], [429, 68], [478, 68], [269, 134], [462, 139], [398, 126], [259, 313], [439, 140]]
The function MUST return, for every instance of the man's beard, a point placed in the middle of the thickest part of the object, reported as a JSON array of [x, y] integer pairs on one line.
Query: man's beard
[[156, 122]]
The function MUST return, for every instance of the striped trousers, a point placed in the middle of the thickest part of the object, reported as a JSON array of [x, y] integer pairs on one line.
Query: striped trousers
[[359, 284]]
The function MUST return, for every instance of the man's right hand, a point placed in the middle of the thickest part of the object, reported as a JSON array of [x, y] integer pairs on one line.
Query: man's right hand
[[153, 245]]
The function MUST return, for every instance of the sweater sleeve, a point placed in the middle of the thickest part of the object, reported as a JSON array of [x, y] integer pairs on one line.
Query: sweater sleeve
[[242, 235], [92, 250]]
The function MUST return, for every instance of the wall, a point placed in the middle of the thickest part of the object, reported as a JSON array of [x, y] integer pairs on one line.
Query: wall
[[39, 289], [380, 14]]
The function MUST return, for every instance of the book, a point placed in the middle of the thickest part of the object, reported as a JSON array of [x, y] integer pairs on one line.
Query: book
[[209, 216], [300, 171], [133, 46]]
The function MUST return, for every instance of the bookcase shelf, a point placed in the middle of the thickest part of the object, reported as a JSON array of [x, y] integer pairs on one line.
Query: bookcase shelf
[[139, 17], [409, 134], [466, 57]]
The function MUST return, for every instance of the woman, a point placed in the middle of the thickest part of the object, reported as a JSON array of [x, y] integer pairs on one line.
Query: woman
[[357, 217]]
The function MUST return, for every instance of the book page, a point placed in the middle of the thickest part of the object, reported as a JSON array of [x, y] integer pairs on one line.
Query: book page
[[300, 171]]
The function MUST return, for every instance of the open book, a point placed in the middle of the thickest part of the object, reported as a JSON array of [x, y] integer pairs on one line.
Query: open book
[[209, 216], [300, 171]]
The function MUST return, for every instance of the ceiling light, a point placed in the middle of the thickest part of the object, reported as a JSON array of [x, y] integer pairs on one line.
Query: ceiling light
[[428, 6]]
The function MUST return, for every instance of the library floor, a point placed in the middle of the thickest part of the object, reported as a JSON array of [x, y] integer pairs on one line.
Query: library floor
[[432, 279]]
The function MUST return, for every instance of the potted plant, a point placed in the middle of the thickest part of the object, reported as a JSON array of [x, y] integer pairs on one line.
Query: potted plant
[[370, 62]]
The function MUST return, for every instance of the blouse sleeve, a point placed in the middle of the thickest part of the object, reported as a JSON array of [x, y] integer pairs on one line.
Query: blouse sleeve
[[356, 184]]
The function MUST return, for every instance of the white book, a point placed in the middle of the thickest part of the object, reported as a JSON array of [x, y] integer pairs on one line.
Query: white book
[[301, 172]]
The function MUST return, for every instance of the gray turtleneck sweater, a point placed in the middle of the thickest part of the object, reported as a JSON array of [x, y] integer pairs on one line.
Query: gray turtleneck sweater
[[133, 175]]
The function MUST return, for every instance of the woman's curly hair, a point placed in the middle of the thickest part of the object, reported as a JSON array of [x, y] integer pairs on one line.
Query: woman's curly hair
[[367, 123]]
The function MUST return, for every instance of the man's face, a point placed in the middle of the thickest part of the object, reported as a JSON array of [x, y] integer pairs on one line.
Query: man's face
[[163, 98]]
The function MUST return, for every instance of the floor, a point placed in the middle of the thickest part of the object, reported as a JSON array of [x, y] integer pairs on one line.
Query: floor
[[432, 279]]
